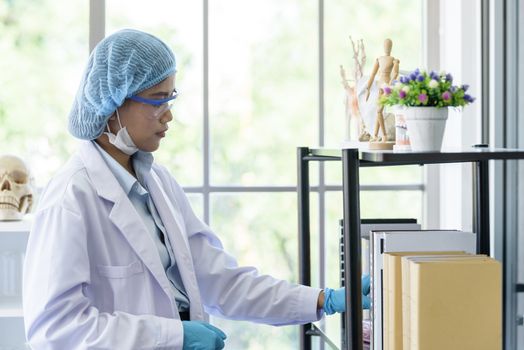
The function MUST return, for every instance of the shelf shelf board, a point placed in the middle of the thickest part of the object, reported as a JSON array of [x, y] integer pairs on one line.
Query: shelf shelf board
[[384, 158], [13, 312], [22, 226]]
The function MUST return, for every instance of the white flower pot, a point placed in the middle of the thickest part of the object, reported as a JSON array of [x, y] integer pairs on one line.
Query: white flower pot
[[426, 127]]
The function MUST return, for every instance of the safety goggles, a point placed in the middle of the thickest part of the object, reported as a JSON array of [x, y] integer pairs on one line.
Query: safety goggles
[[160, 106]]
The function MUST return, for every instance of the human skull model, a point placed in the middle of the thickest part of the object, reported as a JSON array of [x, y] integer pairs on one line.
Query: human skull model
[[16, 192]]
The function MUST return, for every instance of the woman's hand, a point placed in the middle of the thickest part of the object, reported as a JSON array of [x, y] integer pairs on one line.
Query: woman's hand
[[335, 300], [200, 335]]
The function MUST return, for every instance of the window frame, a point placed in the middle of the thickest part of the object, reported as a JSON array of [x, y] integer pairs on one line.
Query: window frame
[[97, 21], [429, 185]]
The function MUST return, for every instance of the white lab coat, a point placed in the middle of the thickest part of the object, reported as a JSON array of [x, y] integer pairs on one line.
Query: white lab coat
[[93, 278]]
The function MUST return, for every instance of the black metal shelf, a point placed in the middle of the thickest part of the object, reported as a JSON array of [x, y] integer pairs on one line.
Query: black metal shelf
[[389, 158], [352, 160], [315, 331]]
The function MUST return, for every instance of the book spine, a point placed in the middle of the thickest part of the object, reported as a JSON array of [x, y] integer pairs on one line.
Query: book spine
[[414, 316]]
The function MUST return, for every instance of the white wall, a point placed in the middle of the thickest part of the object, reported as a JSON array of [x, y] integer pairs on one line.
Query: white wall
[[460, 55]]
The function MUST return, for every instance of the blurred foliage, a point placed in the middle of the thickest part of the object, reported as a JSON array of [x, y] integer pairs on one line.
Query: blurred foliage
[[373, 204], [181, 150], [40, 69], [372, 21], [394, 175], [258, 229], [259, 226], [264, 103]]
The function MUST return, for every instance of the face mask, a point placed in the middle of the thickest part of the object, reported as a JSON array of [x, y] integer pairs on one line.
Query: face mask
[[122, 140]]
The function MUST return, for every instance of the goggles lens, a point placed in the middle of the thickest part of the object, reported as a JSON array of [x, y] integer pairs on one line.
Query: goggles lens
[[160, 106], [163, 108]]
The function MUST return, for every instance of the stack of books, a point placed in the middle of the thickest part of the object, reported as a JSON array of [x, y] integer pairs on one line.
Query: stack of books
[[442, 300], [430, 291]]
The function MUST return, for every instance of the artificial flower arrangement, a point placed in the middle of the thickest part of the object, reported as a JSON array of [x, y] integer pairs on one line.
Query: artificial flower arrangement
[[420, 89]]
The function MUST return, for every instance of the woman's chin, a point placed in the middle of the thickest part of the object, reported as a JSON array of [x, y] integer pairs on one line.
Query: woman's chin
[[150, 146]]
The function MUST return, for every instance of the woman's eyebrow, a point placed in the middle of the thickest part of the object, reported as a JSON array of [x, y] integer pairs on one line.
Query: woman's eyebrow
[[162, 93]]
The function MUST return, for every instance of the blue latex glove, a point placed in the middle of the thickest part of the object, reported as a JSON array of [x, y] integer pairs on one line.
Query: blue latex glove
[[335, 300], [366, 302], [200, 335]]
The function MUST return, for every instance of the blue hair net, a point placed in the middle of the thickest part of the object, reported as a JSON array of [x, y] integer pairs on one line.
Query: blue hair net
[[121, 65]]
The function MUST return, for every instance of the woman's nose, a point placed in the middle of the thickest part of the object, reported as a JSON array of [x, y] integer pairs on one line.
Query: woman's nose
[[166, 117]]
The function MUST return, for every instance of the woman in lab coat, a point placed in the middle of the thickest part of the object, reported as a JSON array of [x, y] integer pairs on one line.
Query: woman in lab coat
[[116, 258]]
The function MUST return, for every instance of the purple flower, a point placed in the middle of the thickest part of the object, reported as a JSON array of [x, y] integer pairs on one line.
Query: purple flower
[[420, 78], [465, 87], [446, 96], [393, 82], [433, 75], [413, 76], [453, 89], [387, 90], [449, 77], [416, 71], [423, 98], [402, 94], [468, 98], [404, 80]]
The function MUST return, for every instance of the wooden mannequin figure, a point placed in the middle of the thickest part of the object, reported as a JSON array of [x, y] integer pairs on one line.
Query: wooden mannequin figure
[[387, 68]]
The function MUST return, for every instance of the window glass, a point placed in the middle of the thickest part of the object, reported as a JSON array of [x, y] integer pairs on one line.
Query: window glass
[[259, 229], [372, 21], [181, 29], [393, 175], [39, 79], [196, 201], [373, 204], [263, 89]]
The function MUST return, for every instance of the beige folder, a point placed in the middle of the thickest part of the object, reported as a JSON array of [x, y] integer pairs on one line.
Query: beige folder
[[406, 315], [393, 306], [455, 303]]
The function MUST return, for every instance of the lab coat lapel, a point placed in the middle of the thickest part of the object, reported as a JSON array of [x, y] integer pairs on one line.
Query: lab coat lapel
[[123, 214], [173, 222]]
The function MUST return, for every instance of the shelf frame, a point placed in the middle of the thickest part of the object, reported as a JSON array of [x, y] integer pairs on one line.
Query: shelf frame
[[352, 160]]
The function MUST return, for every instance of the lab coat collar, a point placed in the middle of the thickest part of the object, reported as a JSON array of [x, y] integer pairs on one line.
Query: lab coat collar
[[142, 163], [123, 214], [124, 178], [105, 183]]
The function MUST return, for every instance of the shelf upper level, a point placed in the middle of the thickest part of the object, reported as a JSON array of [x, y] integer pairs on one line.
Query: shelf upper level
[[22, 226], [383, 158], [11, 312]]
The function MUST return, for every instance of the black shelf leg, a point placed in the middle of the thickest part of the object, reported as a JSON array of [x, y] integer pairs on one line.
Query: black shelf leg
[[304, 250], [352, 252], [481, 206]]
